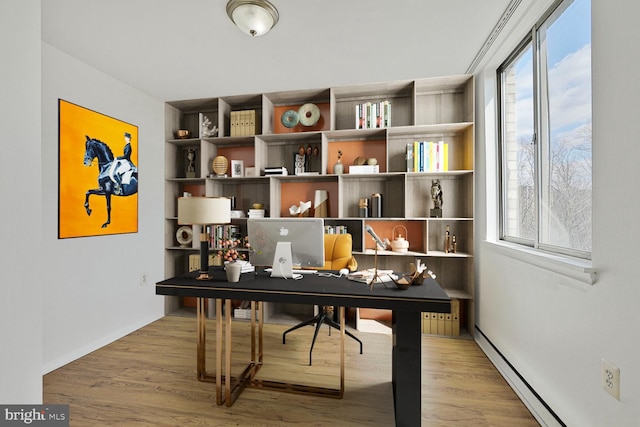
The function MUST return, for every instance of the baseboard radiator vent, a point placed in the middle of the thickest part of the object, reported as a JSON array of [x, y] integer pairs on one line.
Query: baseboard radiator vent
[[532, 400]]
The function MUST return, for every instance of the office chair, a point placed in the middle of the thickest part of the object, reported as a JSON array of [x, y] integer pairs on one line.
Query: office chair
[[337, 255]]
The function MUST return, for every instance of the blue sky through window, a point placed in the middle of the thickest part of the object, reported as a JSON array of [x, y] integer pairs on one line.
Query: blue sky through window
[[569, 62]]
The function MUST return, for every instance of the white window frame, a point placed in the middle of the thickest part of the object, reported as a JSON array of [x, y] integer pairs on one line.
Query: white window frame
[[540, 131]]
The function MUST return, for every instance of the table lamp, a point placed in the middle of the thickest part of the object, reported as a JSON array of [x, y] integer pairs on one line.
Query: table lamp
[[204, 211]]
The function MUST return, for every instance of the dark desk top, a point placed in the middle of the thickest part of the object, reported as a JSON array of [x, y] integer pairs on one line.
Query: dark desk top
[[311, 289]]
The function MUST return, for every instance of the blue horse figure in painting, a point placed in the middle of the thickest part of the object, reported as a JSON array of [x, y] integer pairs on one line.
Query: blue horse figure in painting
[[116, 176]]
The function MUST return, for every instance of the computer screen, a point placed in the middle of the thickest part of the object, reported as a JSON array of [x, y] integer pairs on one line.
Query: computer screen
[[285, 243]]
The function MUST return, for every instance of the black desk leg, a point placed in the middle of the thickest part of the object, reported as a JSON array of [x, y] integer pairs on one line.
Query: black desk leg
[[406, 368]]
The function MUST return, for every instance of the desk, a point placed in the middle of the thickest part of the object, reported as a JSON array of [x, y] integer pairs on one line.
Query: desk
[[406, 305]]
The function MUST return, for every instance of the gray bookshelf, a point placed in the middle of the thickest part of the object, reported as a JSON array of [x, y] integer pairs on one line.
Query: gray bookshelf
[[436, 109]]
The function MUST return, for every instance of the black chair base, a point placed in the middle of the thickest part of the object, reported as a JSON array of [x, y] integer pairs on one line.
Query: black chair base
[[318, 320]]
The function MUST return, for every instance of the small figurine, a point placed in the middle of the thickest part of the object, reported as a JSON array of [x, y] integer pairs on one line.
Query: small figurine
[[450, 242], [208, 128], [299, 161], [436, 196], [191, 163]]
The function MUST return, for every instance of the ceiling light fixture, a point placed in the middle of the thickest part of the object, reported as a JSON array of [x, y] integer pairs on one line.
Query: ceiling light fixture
[[253, 17]]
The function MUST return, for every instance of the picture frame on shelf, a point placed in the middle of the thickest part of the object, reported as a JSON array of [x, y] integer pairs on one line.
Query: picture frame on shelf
[[237, 168], [250, 171]]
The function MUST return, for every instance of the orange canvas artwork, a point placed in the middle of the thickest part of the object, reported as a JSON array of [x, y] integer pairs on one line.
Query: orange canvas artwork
[[98, 173]]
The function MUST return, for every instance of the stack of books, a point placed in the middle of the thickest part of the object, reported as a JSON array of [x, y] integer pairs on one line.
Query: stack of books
[[247, 267], [373, 115], [242, 313], [275, 170], [363, 169], [427, 156], [256, 213]]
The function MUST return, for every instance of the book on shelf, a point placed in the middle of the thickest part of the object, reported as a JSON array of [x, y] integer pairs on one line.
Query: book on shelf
[[427, 156], [373, 115], [409, 157], [386, 117], [335, 229]]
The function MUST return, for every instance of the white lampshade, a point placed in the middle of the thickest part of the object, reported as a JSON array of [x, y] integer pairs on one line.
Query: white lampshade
[[204, 210], [253, 17]]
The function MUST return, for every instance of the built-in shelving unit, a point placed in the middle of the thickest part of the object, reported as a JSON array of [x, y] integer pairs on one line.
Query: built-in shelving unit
[[436, 109]]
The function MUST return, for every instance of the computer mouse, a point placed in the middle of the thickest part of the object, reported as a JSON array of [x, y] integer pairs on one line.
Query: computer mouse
[[344, 271]]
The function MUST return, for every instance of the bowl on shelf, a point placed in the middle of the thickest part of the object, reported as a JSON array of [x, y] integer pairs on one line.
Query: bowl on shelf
[[183, 133]]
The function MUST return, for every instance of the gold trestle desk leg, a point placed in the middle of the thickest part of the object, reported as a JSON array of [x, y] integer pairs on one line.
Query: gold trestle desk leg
[[201, 349], [234, 386], [260, 322], [227, 353], [219, 399]]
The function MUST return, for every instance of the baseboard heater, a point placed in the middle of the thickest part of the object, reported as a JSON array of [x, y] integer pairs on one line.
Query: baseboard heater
[[532, 400]]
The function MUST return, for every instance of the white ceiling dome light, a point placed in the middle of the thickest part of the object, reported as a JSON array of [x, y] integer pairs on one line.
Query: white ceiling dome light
[[253, 17]]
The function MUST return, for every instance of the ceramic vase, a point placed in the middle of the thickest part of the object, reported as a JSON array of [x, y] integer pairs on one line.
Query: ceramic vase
[[338, 168]]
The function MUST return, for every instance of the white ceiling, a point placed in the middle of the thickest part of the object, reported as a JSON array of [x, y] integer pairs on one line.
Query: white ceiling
[[182, 49]]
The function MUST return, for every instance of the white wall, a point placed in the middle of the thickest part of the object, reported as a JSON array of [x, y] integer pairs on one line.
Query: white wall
[[554, 329], [92, 293], [22, 281]]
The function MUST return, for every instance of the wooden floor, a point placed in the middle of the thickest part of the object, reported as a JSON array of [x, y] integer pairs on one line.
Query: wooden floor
[[148, 379]]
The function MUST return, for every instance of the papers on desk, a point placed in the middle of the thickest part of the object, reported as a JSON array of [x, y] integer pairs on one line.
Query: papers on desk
[[365, 276]]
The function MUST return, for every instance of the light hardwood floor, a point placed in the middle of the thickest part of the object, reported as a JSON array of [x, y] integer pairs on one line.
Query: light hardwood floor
[[148, 379]]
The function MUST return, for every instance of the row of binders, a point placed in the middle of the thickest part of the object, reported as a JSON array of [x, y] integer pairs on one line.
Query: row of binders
[[427, 156], [447, 324], [373, 115], [245, 123]]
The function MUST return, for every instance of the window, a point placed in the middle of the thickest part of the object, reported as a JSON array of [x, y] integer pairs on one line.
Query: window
[[545, 134]]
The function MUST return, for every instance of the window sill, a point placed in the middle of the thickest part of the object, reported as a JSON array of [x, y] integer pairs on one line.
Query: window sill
[[575, 268]]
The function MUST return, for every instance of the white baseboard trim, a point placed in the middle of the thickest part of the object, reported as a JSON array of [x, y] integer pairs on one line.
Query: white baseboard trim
[[538, 408], [95, 345]]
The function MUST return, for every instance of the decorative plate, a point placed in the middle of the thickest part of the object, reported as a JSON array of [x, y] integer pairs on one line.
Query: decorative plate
[[220, 165], [184, 236], [289, 118], [309, 114]]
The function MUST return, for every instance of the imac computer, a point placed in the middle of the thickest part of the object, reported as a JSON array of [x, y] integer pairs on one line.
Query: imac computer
[[285, 244]]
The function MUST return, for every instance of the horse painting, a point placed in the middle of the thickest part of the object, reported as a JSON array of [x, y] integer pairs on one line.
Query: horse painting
[[116, 176]]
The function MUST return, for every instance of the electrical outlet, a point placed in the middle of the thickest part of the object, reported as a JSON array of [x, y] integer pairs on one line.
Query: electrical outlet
[[611, 379], [143, 279]]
